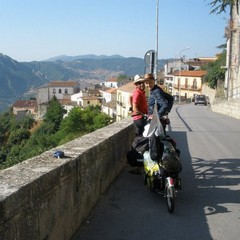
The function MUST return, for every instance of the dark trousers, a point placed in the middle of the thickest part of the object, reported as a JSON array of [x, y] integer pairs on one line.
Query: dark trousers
[[140, 124]]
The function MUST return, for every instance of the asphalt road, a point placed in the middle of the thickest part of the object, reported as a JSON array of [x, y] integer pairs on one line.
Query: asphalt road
[[208, 206]]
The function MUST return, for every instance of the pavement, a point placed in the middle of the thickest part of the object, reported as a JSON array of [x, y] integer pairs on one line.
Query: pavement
[[207, 207]]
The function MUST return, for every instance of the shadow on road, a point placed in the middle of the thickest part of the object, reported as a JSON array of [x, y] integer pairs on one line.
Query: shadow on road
[[217, 180], [128, 210]]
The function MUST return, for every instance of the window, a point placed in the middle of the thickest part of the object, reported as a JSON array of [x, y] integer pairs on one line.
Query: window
[[186, 82], [60, 90], [194, 84], [66, 90], [54, 91], [179, 82]]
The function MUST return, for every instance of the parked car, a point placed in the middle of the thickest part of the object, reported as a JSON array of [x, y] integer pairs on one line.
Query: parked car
[[200, 99]]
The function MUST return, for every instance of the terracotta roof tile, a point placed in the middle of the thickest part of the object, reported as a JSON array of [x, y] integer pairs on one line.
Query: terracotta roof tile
[[25, 104], [113, 79], [129, 87], [111, 104], [111, 90], [197, 73], [90, 98]]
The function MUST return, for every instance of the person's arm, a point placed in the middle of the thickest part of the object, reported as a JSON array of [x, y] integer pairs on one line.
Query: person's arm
[[135, 104], [161, 102], [170, 100], [136, 109]]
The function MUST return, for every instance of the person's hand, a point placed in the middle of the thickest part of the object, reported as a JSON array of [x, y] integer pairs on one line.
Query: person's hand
[[150, 117]]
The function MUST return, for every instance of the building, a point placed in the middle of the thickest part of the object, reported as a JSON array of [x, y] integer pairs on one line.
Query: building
[[188, 83], [25, 107], [60, 89], [89, 100], [123, 100], [169, 69], [109, 94], [111, 83], [109, 108], [232, 33], [173, 67]]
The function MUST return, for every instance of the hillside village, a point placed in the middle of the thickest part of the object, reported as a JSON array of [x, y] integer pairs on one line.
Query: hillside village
[[180, 78]]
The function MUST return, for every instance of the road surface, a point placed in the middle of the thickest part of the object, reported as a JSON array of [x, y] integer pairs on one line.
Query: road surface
[[208, 206]]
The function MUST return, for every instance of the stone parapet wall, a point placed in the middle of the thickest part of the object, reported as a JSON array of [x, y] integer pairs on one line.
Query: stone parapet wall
[[46, 198], [208, 92], [230, 108]]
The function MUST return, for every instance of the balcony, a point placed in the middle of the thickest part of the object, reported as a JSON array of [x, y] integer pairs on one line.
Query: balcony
[[187, 87]]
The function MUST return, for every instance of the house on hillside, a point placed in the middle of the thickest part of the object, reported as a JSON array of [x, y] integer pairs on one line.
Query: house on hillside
[[89, 100], [188, 83], [22, 108], [123, 100], [109, 94], [110, 109], [93, 92], [61, 90], [111, 83]]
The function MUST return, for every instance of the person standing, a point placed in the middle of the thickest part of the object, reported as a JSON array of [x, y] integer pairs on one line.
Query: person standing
[[139, 109], [139, 105], [157, 95]]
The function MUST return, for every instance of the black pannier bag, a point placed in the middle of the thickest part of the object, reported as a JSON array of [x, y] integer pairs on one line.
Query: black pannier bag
[[156, 147], [170, 159], [135, 155]]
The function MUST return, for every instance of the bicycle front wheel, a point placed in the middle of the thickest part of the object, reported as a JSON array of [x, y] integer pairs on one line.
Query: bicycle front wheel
[[170, 198]]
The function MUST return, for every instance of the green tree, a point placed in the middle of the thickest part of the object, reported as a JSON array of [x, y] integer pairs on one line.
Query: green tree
[[54, 115], [28, 122], [13, 157], [215, 71], [94, 118], [16, 137], [81, 121], [20, 144], [101, 120], [73, 122]]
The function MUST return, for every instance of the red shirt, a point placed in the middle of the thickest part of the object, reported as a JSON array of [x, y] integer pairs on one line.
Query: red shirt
[[139, 98]]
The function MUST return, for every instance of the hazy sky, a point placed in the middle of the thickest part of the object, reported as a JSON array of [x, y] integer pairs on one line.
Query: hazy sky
[[40, 29]]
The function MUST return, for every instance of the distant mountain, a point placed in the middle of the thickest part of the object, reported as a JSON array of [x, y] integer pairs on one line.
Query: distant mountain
[[65, 58], [15, 79], [20, 80]]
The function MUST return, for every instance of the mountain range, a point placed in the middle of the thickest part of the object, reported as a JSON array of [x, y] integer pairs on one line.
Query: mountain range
[[20, 80]]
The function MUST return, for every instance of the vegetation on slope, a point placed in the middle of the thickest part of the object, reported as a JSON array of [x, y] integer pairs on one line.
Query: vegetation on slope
[[21, 140]]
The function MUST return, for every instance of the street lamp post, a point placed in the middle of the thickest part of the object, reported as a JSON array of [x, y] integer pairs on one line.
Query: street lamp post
[[156, 57], [180, 73]]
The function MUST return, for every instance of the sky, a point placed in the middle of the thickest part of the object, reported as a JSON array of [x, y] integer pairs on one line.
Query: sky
[[36, 30]]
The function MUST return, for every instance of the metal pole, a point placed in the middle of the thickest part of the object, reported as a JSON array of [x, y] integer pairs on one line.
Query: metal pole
[[156, 57], [180, 73]]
